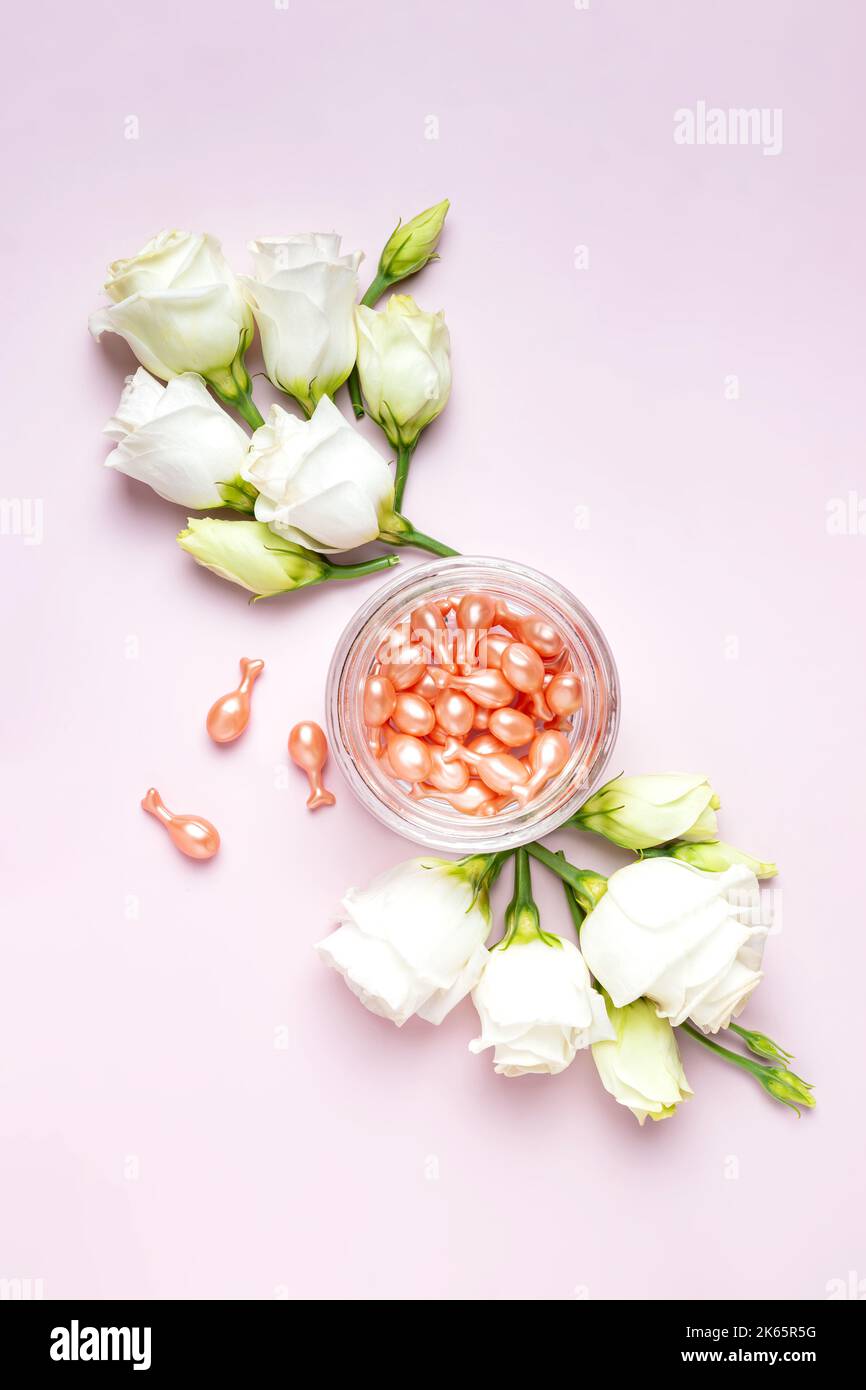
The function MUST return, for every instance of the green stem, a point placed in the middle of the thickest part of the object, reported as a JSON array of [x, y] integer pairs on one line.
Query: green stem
[[377, 287], [738, 1060], [404, 458], [522, 879], [577, 912], [522, 918], [247, 407], [381, 562], [373, 294], [354, 385], [420, 541], [233, 386], [588, 887]]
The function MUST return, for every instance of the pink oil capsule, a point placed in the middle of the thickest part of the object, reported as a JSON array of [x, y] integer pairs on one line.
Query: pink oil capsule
[[523, 667], [487, 688], [564, 693], [412, 714], [498, 771], [454, 712], [512, 727], [192, 835], [380, 697], [410, 759], [470, 800], [308, 750], [547, 756], [230, 714]]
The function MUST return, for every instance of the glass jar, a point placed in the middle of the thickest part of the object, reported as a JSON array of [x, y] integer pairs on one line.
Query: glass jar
[[435, 824]]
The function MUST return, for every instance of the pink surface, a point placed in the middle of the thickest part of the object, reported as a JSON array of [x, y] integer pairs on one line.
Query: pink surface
[[190, 1104]]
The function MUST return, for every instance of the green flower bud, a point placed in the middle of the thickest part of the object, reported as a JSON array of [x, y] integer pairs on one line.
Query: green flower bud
[[412, 244], [641, 1066], [239, 494], [642, 812], [761, 1045], [717, 856], [404, 363], [785, 1086], [248, 553]]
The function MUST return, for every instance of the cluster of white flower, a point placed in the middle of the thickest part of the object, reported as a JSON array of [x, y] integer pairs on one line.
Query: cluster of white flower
[[314, 481], [667, 942]]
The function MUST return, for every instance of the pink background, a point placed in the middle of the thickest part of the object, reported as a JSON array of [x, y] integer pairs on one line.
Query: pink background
[[155, 1137]]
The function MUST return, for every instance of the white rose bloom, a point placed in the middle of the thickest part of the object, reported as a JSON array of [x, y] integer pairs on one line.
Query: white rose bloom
[[404, 362], [179, 307], [641, 1066], [320, 483], [690, 941], [303, 297], [641, 812], [413, 941], [537, 1007], [177, 439]]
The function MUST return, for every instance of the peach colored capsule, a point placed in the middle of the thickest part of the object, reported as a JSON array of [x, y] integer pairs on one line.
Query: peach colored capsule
[[308, 750], [487, 688], [454, 712], [499, 771], [380, 697], [495, 646], [376, 741], [522, 667], [470, 800], [564, 694], [432, 681], [412, 714], [393, 642], [512, 727], [482, 719], [230, 714], [555, 664], [535, 705], [547, 756], [509, 617], [543, 636], [492, 808], [409, 758], [192, 835], [427, 618], [407, 668], [476, 611], [426, 687], [446, 777], [485, 743]]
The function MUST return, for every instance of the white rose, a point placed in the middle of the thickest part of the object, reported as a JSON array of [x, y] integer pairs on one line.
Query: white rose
[[537, 1007], [641, 812], [641, 1066], [303, 297], [404, 362], [690, 941], [181, 309], [413, 941], [177, 439], [320, 483]]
